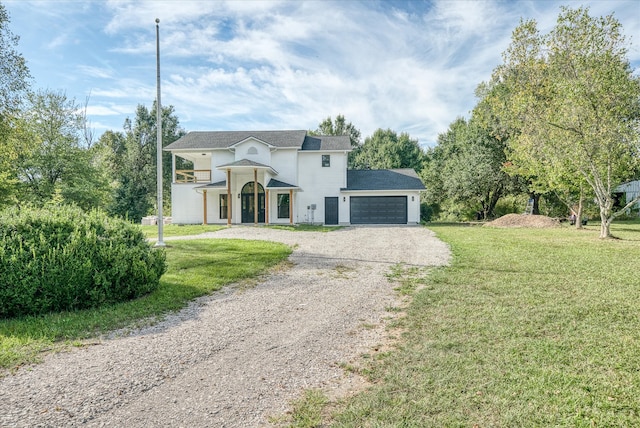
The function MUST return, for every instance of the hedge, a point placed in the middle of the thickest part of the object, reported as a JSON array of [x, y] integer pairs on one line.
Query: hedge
[[61, 258]]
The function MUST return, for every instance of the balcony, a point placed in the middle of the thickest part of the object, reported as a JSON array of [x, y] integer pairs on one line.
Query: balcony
[[193, 176]]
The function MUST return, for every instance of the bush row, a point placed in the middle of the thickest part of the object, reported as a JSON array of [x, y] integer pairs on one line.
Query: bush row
[[61, 258]]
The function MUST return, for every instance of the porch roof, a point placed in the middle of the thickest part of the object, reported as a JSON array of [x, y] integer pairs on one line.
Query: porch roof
[[246, 164], [216, 185], [277, 184]]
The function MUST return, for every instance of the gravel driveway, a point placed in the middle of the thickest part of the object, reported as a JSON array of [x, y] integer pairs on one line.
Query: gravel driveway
[[239, 356]]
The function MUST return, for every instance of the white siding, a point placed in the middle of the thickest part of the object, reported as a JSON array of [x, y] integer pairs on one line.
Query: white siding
[[220, 157], [253, 150], [284, 162], [186, 203], [318, 182]]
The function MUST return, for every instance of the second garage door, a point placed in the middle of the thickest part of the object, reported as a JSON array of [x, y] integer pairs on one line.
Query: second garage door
[[378, 209]]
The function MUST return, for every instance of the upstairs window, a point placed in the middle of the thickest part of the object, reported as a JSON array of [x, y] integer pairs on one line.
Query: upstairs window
[[326, 160], [252, 151]]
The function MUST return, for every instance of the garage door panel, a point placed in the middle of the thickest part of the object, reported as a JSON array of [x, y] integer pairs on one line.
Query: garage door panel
[[378, 209]]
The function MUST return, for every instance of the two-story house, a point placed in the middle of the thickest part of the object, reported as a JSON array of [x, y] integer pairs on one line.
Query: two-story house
[[285, 177]]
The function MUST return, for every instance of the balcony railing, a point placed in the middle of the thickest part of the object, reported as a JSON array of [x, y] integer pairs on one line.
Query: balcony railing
[[193, 176]]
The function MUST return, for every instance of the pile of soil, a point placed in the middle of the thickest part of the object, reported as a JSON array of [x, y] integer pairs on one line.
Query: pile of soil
[[521, 220]]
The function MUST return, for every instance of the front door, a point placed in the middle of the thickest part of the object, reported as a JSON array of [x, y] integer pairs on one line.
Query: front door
[[331, 210], [248, 203]]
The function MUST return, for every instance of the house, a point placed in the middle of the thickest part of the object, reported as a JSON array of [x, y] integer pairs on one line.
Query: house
[[284, 177], [627, 192]]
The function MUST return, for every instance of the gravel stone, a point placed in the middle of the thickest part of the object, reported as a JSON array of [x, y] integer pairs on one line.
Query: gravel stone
[[239, 356]]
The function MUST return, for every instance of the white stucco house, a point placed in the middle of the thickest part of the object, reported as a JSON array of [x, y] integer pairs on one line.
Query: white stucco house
[[284, 177]]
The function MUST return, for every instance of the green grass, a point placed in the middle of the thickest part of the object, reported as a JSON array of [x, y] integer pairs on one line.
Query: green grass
[[195, 268], [305, 227], [179, 230], [526, 328]]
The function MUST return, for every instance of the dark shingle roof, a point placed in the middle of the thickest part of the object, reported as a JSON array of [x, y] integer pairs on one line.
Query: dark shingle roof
[[215, 185], [326, 142], [244, 162], [275, 184], [223, 139], [383, 179]]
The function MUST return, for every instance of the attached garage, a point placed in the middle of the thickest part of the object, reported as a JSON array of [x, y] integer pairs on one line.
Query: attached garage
[[381, 196], [378, 209]]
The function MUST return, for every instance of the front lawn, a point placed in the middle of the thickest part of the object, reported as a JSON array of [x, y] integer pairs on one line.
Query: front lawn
[[169, 230], [526, 328], [195, 268]]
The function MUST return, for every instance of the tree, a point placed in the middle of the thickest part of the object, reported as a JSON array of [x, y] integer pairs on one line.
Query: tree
[[385, 149], [576, 103], [340, 127], [14, 83], [465, 170], [136, 189], [52, 162]]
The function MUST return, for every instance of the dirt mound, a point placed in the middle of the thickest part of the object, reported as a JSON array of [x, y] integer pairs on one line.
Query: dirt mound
[[520, 220]]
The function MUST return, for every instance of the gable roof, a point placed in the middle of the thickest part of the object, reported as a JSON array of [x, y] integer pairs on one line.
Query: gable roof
[[383, 179], [197, 140], [326, 142]]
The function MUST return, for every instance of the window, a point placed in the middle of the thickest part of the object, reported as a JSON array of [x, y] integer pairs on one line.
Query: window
[[223, 205], [283, 205], [326, 160], [252, 151]]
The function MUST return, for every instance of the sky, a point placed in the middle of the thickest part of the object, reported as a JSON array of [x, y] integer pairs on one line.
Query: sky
[[408, 66]]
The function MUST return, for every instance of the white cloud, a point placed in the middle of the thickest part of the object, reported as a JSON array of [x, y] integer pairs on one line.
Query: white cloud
[[245, 64]]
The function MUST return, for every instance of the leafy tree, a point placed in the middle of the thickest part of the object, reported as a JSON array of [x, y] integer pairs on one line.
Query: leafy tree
[[14, 83], [465, 170], [340, 127], [385, 149], [576, 103], [53, 163], [136, 189]]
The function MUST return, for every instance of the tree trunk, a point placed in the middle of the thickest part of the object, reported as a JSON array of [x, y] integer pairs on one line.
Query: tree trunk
[[606, 218], [536, 203], [579, 210]]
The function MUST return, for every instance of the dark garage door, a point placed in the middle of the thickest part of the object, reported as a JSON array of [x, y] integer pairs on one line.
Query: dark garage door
[[378, 209]]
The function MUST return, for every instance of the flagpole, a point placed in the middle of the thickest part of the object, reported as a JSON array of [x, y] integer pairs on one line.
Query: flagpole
[[160, 241]]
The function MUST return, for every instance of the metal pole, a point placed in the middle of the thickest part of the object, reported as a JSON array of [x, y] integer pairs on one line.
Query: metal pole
[[160, 242]]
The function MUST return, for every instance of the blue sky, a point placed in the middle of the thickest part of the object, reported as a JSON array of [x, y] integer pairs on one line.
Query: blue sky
[[411, 66]]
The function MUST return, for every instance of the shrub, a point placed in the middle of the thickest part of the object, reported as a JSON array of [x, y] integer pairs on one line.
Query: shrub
[[61, 258]]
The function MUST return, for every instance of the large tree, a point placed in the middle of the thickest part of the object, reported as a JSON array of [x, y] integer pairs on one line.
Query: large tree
[[465, 172], [386, 149], [136, 188], [53, 162], [575, 101], [14, 83], [339, 126]]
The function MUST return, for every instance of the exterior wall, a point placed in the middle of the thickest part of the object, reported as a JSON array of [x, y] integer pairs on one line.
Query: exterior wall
[[273, 206], [253, 150], [413, 203], [318, 182], [186, 204], [220, 157], [631, 191], [284, 161]]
